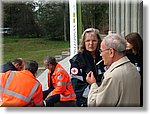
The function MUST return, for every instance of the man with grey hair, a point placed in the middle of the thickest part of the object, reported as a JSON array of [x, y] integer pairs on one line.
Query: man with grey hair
[[121, 83]]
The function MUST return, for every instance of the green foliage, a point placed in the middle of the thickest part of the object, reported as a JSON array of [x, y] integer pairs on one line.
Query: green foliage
[[50, 16], [32, 48], [20, 17], [96, 15], [51, 19]]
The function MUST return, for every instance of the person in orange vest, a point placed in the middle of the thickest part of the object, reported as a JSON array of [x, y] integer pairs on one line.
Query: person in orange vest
[[21, 88], [60, 92]]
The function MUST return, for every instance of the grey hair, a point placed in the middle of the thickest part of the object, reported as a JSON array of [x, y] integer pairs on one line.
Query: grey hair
[[116, 42], [82, 40], [50, 60]]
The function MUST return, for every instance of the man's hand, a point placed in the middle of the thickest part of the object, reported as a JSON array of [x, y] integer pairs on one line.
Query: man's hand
[[90, 78], [44, 102]]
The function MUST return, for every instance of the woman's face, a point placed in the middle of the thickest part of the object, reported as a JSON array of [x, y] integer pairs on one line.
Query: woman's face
[[129, 46], [91, 41]]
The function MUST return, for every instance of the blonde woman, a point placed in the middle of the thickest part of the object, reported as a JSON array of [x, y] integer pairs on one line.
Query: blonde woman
[[85, 61]]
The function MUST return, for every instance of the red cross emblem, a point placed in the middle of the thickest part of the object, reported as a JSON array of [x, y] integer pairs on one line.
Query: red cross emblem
[[74, 71]]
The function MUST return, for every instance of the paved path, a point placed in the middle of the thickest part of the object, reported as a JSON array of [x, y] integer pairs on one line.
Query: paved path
[[42, 77]]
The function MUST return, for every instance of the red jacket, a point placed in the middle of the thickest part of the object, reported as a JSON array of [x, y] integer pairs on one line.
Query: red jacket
[[62, 84], [20, 88]]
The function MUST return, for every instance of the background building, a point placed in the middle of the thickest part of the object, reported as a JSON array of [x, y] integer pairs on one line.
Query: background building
[[126, 16]]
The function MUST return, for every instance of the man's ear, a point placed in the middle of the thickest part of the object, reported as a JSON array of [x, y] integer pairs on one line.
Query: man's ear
[[112, 52]]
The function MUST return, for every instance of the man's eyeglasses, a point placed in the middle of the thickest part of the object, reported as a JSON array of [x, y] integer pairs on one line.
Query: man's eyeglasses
[[103, 50]]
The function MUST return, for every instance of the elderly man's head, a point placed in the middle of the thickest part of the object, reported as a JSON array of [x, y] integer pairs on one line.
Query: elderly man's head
[[112, 48], [50, 63]]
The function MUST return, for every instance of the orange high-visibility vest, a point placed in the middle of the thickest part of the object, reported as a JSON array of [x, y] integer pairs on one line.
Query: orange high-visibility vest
[[62, 84], [20, 88]]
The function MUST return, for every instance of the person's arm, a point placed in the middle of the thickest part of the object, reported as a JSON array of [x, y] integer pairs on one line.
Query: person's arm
[[92, 81], [76, 73], [61, 83], [38, 96], [104, 95]]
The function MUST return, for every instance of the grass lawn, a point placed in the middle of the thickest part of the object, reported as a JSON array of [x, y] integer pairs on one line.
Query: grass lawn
[[31, 48]]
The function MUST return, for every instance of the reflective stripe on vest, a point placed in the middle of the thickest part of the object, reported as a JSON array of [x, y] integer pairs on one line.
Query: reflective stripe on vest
[[77, 77], [22, 97], [33, 90], [69, 96], [11, 93], [9, 79], [58, 69], [63, 83]]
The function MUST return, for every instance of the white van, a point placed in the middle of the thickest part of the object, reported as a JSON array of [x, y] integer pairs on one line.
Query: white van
[[5, 30]]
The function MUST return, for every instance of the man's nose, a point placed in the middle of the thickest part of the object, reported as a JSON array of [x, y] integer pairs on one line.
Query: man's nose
[[91, 42]]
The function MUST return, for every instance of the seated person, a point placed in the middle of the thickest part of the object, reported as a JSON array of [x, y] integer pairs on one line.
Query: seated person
[[59, 83]]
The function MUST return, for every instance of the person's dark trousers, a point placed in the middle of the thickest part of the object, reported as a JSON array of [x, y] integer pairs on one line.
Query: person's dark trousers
[[81, 102], [65, 104], [45, 93], [50, 101]]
